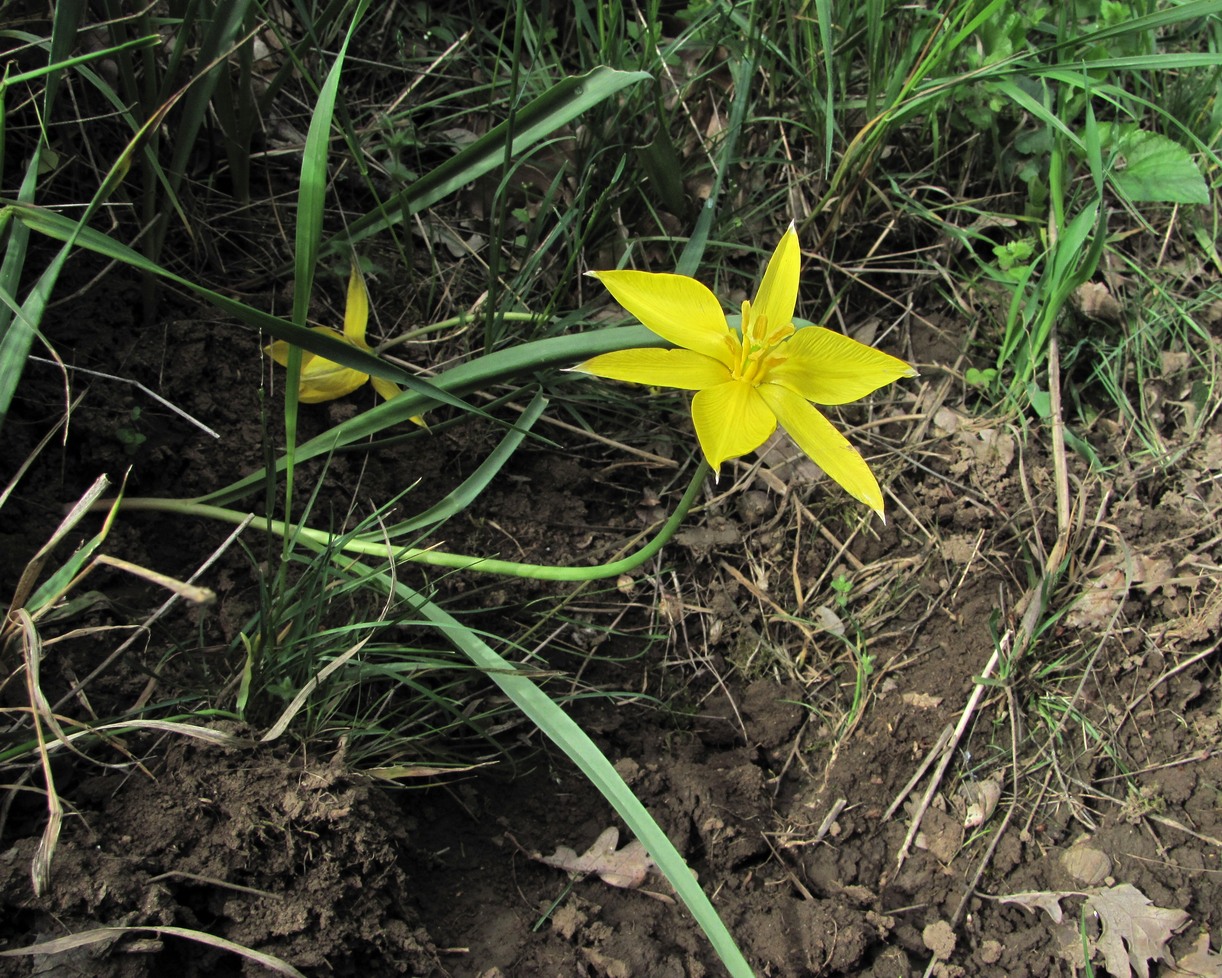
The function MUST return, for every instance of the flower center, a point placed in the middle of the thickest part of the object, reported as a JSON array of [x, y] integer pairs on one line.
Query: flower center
[[757, 354]]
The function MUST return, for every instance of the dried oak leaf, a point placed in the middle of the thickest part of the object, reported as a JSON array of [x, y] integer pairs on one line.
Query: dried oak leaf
[[1094, 301], [1133, 930], [626, 867], [1200, 963]]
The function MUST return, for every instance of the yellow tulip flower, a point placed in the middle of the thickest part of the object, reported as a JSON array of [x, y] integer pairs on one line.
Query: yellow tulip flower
[[323, 379], [748, 380]]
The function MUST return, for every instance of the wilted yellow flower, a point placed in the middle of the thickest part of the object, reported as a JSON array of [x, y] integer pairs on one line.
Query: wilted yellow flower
[[323, 379]]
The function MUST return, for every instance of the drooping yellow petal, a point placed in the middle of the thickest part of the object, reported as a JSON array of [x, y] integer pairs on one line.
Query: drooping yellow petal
[[321, 379], [679, 309], [390, 390], [731, 419], [356, 312], [279, 352], [778, 292], [683, 369], [830, 368], [829, 449], [387, 388], [325, 380]]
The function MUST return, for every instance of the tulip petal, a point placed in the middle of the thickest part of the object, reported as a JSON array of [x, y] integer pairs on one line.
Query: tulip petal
[[778, 292], [830, 368], [683, 369], [325, 380], [678, 308], [356, 312], [731, 419], [279, 352], [829, 449], [387, 388]]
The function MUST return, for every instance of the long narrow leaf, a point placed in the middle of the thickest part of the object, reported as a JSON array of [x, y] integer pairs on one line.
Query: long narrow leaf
[[74, 62], [18, 327], [60, 228], [543, 116], [121, 107], [15, 344], [566, 734], [220, 33], [312, 190], [474, 485], [478, 374], [311, 201]]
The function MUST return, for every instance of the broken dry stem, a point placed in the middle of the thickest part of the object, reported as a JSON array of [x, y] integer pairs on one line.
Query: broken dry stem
[[948, 753]]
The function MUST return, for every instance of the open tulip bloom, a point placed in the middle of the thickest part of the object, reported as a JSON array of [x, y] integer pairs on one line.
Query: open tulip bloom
[[748, 380]]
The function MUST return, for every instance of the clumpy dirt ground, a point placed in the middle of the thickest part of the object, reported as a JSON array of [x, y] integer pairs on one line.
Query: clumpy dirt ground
[[862, 737]]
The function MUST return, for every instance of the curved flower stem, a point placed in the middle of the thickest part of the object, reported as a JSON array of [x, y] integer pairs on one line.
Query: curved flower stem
[[462, 319], [441, 558]]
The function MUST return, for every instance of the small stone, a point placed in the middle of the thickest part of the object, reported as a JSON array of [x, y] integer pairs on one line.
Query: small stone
[[754, 506], [1086, 864]]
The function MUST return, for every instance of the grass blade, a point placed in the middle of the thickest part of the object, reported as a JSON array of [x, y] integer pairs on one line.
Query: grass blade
[[566, 734], [62, 229], [311, 200], [540, 118]]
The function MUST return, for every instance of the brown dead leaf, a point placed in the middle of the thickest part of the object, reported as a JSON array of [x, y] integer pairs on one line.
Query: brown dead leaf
[[1200, 963], [985, 452], [830, 621], [1094, 301], [1099, 602], [922, 701], [1134, 931], [1102, 598], [978, 799], [1044, 900], [625, 868], [1067, 942]]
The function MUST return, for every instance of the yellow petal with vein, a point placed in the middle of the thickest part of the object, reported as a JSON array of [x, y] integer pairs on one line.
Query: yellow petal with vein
[[830, 368], [279, 351], [683, 369], [830, 450], [678, 308], [387, 388], [356, 312], [778, 292], [731, 419], [325, 380]]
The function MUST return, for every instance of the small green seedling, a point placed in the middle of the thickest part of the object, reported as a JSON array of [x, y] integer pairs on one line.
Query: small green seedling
[[843, 586], [129, 435]]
